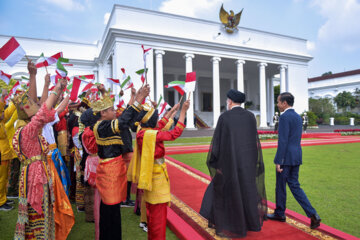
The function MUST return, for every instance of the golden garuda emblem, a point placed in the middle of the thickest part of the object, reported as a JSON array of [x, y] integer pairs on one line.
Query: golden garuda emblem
[[230, 21]]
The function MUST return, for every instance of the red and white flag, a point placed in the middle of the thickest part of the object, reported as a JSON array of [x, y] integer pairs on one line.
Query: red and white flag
[[5, 77], [47, 61], [162, 107], [12, 52], [190, 82], [12, 91], [113, 80], [78, 86]]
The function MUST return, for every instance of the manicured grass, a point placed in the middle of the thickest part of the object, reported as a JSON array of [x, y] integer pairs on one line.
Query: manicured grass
[[83, 230], [189, 141], [330, 176]]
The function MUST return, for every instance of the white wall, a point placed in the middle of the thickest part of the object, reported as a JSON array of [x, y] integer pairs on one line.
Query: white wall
[[297, 85]]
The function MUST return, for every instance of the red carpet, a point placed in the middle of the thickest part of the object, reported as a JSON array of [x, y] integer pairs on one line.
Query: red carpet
[[189, 188], [323, 140]]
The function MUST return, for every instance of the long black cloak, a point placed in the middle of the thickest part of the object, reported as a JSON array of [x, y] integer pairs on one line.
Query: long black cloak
[[235, 201]]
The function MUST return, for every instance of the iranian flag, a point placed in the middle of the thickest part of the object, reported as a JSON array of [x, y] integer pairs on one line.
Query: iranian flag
[[162, 106], [126, 82], [178, 86], [190, 81], [12, 91], [119, 102], [79, 85], [142, 73], [12, 52], [5, 77], [145, 53], [47, 61], [60, 69]]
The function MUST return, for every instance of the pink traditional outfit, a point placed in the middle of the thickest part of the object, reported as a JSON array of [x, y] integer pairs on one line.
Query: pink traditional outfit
[[36, 196]]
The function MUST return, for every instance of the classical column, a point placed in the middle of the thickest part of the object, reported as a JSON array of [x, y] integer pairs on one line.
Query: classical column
[[240, 75], [282, 69], [216, 89], [268, 102], [272, 101], [159, 73], [262, 84], [190, 113]]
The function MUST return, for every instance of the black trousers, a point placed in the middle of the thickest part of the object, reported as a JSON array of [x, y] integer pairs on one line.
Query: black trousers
[[110, 222]]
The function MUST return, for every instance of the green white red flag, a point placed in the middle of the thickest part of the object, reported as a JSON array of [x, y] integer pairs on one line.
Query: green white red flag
[[5, 77], [141, 72], [60, 69], [178, 86], [47, 61], [12, 52], [162, 106], [126, 81]]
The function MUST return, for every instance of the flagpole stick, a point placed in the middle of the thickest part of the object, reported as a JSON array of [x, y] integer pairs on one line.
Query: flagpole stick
[[181, 98], [27, 58], [189, 95], [46, 70]]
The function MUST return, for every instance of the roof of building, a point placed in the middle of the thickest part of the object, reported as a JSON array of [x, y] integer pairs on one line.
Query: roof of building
[[335, 75]]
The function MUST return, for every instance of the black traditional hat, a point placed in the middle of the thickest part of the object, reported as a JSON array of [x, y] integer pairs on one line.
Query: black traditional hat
[[148, 117], [236, 96]]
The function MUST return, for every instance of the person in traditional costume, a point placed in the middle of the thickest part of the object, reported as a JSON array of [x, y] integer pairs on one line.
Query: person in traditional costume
[[235, 200], [63, 213], [89, 119], [6, 152], [13, 186], [140, 205], [111, 172], [36, 194], [149, 169]]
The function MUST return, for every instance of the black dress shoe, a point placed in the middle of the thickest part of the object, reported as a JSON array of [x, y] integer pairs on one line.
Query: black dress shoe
[[276, 217], [315, 221]]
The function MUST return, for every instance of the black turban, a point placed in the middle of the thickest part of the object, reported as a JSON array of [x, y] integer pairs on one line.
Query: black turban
[[88, 118], [150, 121], [236, 96]]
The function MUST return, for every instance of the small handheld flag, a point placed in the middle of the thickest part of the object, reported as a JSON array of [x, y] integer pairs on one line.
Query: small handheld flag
[[12, 52]]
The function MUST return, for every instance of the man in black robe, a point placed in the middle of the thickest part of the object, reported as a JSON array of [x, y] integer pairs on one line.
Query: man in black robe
[[235, 201]]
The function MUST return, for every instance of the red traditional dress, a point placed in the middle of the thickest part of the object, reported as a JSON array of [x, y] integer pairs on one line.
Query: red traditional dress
[[153, 176], [92, 161], [36, 197]]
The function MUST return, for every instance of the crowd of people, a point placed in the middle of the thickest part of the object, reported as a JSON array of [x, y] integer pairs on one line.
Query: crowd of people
[[55, 152]]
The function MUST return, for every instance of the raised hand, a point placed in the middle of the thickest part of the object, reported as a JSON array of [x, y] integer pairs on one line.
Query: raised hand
[[31, 68], [47, 80], [185, 105]]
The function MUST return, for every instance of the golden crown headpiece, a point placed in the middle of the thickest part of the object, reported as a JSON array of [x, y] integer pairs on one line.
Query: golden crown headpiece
[[103, 103], [25, 106]]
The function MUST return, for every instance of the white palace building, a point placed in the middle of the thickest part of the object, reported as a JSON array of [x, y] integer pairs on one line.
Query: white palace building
[[248, 60]]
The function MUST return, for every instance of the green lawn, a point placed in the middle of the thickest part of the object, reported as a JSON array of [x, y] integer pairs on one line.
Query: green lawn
[[330, 176], [83, 230]]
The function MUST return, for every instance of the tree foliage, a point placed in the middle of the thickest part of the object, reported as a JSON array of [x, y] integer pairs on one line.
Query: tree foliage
[[345, 99]]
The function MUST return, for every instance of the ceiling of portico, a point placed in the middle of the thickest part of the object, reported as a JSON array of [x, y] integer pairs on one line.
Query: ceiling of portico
[[174, 63]]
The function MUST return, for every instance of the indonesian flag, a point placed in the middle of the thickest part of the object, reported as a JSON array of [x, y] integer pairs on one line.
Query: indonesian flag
[[12, 91], [162, 106], [190, 81], [126, 82], [5, 77], [12, 52], [178, 86], [142, 73], [79, 85], [47, 61], [113, 80], [60, 69]]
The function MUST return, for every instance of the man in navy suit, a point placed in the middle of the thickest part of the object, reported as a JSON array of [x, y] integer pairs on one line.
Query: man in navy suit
[[288, 160]]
